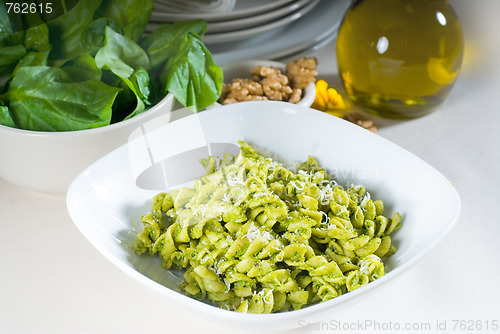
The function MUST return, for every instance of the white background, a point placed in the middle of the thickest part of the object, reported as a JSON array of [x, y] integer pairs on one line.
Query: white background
[[53, 281]]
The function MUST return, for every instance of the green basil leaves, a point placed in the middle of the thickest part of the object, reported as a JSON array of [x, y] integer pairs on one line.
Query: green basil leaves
[[93, 66]]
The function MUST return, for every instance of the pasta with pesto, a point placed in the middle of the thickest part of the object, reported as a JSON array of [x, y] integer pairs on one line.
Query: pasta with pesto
[[256, 237]]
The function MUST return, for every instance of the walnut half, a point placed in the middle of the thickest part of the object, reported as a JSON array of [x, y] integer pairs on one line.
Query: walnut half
[[268, 83], [240, 90], [302, 71]]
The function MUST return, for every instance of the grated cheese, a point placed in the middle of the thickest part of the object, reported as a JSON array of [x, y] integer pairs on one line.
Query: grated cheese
[[255, 232], [365, 200], [325, 194]]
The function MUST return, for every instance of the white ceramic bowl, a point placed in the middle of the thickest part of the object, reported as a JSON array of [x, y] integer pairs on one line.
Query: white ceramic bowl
[[242, 70], [49, 161], [107, 200]]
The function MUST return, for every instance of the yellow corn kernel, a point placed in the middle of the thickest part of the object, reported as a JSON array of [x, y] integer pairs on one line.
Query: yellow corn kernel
[[320, 98], [318, 103], [328, 99], [321, 85], [323, 94], [338, 113], [335, 98]]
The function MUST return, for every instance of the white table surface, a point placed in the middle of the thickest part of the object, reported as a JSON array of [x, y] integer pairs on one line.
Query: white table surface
[[52, 280]]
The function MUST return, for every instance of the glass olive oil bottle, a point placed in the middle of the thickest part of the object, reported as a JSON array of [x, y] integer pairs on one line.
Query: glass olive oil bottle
[[399, 58]]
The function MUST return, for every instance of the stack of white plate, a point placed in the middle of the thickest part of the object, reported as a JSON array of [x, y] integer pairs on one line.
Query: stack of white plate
[[242, 29]]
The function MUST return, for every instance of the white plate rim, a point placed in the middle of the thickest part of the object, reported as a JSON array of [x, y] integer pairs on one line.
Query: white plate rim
[[252, 21], [243, 23], [290, 41], [247, 33], [211, 17]]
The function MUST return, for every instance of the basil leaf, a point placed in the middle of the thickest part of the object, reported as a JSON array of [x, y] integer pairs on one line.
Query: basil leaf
[[6, 32], [122, 56], [94, 37], [140, 81], [36, 44], [192, 76], [21, 48], [134, 98], [9, 56], [33, 58], [11, 44], [67, 32], [82, 68], [37, 38], [165, 40], [140, 87], [43, 98], [128, 17], [5, 116]]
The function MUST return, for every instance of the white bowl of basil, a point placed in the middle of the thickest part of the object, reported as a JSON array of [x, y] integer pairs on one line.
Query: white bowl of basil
[[76, 87]]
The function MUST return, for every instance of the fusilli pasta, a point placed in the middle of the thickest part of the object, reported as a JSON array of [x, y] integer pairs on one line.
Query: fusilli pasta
[[255, 237]]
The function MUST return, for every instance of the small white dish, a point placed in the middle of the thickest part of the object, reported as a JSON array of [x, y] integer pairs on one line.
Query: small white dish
[[106, 200], [49, 161], [242, 70]]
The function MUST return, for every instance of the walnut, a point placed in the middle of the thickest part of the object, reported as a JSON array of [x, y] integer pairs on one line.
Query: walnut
[[268, 83], [302, 71], [274, 83], [296, 95], [260, 72], [276, 88], [361, 121], [230, 100], [241, 90]]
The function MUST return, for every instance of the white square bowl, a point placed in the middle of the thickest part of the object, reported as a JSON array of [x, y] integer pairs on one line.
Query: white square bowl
[[107, 200]]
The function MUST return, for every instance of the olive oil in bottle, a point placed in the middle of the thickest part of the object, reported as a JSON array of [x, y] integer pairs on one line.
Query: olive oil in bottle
[[399, 58]]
